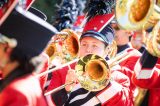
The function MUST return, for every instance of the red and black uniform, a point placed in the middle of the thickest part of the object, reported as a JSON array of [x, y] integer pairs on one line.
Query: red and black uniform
[[127, 66], [58, 79], [147, 76], [121, 95], [116, 93]]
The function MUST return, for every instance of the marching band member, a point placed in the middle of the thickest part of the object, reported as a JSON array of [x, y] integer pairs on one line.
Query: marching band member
[[147, 69], [94, 42], [66, 15], [23, 37], [95, 39], [142, 19], [122, 38]]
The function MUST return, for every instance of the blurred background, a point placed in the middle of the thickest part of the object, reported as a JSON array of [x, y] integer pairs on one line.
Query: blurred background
[[48, 7]]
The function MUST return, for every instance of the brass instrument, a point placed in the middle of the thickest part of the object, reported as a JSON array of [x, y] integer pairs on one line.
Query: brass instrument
[[137, 14], [51, 50], [93, 72], [141, 15], [112, 50], [153, 41], [64, 45], [56, 68], [140, 96], [71, 44]]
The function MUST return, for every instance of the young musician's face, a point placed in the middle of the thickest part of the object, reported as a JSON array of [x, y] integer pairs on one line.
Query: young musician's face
[[138, 40], [121, 36], [90, 45]]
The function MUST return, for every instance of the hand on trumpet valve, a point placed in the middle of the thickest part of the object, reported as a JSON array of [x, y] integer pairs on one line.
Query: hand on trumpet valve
[[70, 77]]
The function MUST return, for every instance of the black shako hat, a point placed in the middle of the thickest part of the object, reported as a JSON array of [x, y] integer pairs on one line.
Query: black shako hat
[[99, 28], [38, 13], [98, 18], [31, 32]]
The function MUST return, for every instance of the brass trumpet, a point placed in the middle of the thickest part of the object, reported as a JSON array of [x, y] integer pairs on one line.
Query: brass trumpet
[[93, 72], [137, 14], [67, 40]]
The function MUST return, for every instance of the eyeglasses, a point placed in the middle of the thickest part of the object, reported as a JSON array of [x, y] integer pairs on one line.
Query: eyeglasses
[[10, 41]]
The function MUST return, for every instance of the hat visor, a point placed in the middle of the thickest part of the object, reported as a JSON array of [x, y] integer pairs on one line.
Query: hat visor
[[96, 35]]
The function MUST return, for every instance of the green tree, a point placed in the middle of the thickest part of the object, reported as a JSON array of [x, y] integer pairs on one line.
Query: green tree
[[47, 7]]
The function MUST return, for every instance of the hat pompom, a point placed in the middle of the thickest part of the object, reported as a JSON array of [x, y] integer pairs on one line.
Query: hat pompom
[[66, 14], [99, 7]]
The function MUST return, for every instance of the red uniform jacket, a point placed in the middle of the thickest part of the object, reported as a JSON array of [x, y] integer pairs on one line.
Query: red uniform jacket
[[147, 76], [58, 79], [23, 91], [127, 67], [115, 94]]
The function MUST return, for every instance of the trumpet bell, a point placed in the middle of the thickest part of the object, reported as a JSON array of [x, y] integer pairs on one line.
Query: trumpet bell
[[92, 72], [51, 49], [72, 42], [137, 14], [96, 70], [64, 45]]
